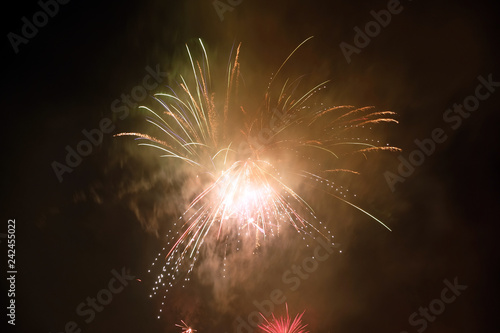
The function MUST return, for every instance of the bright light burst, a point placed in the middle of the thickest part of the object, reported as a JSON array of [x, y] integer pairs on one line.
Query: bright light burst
[[249, 164], [284, 324], [185, 327]]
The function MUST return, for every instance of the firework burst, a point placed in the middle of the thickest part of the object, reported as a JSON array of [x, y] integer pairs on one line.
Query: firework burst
[[185, 327], [249, 164], [284, 324]]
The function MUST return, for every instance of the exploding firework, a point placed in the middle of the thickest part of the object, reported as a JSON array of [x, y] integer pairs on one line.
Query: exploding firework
[[185, 327], [250, 167], [284, 324]]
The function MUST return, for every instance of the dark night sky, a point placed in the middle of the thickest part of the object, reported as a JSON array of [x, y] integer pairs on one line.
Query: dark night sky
[[443, 216]]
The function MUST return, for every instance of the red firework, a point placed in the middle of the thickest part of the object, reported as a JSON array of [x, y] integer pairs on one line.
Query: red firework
[[284, 324]]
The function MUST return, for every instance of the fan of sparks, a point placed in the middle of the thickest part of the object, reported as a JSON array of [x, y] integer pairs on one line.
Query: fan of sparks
[[185, 327], [249, 165], [283, 324]]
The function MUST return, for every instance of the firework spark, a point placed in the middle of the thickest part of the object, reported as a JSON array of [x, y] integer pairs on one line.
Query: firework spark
[[248, 164], [185, 327], [284, 324]]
